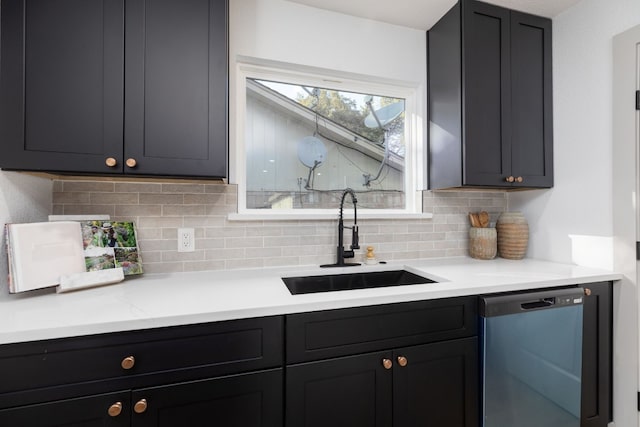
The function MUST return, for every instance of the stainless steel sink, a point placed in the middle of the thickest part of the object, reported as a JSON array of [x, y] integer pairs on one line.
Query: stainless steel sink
[[343, 282]]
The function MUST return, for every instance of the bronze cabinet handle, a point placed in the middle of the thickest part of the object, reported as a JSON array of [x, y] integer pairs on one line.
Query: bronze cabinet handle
[[131, 162], [387, 363], [509, 179], [402, 361], [111, 162], [519, 179], [140, 406], [115, 409], [128, 362]]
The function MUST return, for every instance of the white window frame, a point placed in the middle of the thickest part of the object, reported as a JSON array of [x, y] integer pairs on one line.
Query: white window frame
[[311, 76]]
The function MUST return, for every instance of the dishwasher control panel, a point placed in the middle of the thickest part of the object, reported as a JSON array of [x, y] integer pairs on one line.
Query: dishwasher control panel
[[569, 300], [520, 302]]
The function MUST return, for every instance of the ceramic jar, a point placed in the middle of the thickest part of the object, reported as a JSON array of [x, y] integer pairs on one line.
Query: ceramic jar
[[513, 235], [482, 242]]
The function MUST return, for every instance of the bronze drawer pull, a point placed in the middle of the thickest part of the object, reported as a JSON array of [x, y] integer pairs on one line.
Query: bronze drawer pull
[[128, 362]]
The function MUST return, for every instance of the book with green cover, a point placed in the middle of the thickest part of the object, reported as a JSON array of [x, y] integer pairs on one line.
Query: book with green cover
[[111, 244]]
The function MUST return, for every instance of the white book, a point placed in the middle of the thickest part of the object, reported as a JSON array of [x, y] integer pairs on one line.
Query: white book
[[39, 253]]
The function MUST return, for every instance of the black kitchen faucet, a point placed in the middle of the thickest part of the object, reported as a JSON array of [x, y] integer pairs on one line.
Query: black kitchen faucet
[[342, 253]]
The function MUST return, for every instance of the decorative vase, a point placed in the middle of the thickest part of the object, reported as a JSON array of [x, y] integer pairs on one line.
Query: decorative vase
[[513, 235], [482, 242]]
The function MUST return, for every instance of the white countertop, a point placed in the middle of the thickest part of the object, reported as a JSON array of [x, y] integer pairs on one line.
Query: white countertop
[[157, 300]]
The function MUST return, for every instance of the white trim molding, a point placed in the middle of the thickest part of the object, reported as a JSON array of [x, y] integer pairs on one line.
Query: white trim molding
[[625, 230]]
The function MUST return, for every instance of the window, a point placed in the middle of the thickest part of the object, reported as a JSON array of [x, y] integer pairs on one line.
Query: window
[[304, 138]]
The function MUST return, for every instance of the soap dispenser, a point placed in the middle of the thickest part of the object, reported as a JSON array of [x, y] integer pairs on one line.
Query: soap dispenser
[[370, 258]]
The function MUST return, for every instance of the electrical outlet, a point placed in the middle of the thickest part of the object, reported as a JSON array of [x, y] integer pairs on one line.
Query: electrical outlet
[[186, 240]]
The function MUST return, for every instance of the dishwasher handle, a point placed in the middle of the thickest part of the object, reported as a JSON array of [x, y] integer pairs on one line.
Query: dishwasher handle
[[542, 303], [523, 302]]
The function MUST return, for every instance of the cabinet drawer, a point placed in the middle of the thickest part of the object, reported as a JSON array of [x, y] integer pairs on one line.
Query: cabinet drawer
[[218, 348], [324, 334]]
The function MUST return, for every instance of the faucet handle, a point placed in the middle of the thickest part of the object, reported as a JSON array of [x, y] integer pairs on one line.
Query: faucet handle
[[355, 240], [348, 254]]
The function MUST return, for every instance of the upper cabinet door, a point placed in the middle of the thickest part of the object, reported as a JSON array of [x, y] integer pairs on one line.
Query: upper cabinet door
[[531, 92], [490, 114], [61, 85], [487, 94], [176, 87]]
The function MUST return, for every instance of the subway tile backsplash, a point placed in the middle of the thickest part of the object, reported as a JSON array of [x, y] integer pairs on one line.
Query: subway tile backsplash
[[160, 208]]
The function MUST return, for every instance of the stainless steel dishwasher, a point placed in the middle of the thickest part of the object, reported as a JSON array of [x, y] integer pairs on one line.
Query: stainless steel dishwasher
[[532, 358]]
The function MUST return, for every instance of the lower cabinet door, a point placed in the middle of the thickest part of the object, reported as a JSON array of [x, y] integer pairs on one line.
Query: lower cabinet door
[[597, 344], [352, 391], [437, 384], [244, 400], [104, 410]]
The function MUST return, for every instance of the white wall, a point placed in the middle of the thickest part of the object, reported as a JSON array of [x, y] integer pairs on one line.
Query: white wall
[[581, 201], [289, 32], [23, 198]]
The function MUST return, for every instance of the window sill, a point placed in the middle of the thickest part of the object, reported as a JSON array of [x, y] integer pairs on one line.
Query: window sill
[[260, 216]]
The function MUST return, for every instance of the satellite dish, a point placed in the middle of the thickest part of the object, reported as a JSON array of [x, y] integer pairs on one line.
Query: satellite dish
[[311, 151], [386, 114]]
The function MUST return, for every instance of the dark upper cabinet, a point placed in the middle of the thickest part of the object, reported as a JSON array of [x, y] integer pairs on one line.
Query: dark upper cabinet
[[175, 120], [490, 101], [531, 101], [114, 86], [61, 84]]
